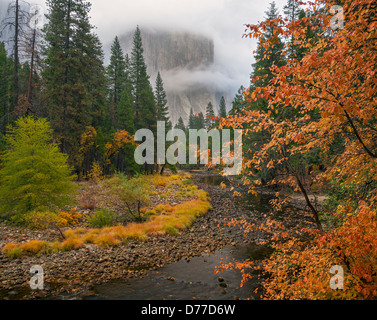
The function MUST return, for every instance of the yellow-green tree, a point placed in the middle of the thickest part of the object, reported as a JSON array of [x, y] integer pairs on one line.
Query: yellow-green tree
[[34, 174]]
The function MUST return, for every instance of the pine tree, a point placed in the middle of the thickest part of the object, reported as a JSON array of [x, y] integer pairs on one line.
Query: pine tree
[[162, 109], [293, 12], [74, 75], [34, 173], [210, 114], [5, 88], [128, 80], [262, 74], [180, 125], [200, 122], [274, 56], [143, 97], [124, 114], [222, 109], [191, 119], [116, 72], [238, 102]]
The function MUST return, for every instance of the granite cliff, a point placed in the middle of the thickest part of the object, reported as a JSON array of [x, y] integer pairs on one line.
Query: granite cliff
[[184, 60]]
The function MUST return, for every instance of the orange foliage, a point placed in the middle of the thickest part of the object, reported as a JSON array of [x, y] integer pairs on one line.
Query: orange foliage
[[120, 139], [336, 80]]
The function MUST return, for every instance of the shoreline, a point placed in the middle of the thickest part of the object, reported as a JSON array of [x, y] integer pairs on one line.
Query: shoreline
[[75, 272]]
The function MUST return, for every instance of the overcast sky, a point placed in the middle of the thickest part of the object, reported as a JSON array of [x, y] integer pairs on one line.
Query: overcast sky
[[222, 20]]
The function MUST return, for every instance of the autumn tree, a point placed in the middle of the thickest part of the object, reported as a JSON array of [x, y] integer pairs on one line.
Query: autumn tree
[[34, 173], [330, 93]]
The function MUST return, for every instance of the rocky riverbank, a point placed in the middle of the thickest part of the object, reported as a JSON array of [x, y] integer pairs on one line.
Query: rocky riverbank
[[75, 272]]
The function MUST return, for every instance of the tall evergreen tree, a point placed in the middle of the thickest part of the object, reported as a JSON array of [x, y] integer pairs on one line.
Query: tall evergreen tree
[[180, 125], [5, 88], [124, 114], [274, 56], [162, 109], [293, 12], [128, 80], [222, 109], [238, 102], [262, 74], [143, 97], [74, 74], [116, 72], [210, 114], [191, 124], [17, 24], [199, 122]]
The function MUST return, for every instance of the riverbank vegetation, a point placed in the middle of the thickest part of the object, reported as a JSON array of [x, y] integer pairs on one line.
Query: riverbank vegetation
[[310, 116], [107, 227], [67, 126]]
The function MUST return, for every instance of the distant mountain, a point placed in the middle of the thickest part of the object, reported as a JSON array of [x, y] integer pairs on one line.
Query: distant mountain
[[186, 63], [7, 15], [6, 34]]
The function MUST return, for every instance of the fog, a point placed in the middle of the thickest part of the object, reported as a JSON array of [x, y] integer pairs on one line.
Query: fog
[[221, 20]]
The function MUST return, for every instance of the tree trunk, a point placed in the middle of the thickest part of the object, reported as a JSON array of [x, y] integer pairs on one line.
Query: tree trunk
[[31, 71], [16, 57]]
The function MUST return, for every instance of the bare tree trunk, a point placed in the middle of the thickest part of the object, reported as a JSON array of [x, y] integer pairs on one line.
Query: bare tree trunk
[[31, 71], [16, 57]]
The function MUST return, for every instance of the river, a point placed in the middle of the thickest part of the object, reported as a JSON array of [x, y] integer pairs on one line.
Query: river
[[194, 278]]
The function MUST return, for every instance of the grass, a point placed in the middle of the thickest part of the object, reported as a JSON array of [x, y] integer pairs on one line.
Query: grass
[[72, 244], [12, 250], [34, 247], [163, 219]]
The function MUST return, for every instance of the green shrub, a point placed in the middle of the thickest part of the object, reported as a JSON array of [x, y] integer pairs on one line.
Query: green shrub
[[135, 193], [102, 218]]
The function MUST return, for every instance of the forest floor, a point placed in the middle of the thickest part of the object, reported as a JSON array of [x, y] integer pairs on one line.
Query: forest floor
[[76, 272]]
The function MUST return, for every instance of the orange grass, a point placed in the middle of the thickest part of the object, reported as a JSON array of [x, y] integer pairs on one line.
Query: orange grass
[[166, 220], [33, 247]]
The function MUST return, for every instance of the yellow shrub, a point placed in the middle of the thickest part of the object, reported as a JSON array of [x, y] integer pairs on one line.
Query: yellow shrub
[[12, 250], [136, 231], [106, 240], [159, 181], [119, 232], [96, 172], [89, 237], [41, 220], [72, 244], [70, 218], [34, 247]]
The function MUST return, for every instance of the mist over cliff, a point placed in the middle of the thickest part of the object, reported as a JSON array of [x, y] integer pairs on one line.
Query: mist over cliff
[[187, 65]]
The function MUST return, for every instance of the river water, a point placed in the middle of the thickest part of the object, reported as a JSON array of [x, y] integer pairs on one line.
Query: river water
[[195, 279]]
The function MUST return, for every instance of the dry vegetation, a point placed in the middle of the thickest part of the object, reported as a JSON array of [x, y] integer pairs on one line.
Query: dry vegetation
[[167, 204]]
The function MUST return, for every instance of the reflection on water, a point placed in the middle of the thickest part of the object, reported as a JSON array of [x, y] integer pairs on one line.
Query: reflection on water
[[249, 202], [188, 280], [213, 180]]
